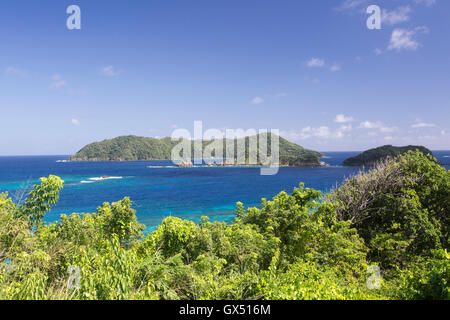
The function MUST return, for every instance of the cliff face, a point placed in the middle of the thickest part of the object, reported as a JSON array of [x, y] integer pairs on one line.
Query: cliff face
[[372, 156], [132, 148]]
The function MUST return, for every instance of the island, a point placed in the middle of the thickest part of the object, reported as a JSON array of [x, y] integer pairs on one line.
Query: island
[[371, 157], [134, 148]]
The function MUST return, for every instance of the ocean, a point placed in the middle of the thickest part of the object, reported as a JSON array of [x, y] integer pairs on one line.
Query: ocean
[[158, 189]]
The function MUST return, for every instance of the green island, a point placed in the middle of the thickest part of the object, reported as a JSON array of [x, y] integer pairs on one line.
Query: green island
[[133, 148], [383, 234], [372, 156]]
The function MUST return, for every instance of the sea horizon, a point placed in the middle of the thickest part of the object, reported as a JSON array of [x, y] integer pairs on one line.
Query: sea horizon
[[68, 155]]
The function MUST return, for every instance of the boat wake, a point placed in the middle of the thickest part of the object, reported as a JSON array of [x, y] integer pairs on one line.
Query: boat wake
[[104, 178], [95, 179]]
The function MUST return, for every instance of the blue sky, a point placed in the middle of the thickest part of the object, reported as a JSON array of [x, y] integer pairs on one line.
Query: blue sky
[[311, 69]]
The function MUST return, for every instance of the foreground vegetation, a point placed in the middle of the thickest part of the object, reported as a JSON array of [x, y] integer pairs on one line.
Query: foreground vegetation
[[382, 235]]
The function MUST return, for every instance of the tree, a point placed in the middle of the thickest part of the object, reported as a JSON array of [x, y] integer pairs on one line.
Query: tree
[[120, 219], [41, 198]]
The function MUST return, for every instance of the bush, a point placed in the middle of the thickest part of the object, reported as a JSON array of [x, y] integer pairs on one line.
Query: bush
[[400, 208], [426, 279]]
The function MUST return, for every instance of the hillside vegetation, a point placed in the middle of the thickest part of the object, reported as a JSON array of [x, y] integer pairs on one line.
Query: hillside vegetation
[[372, 156], [127, 148], [382, 235]]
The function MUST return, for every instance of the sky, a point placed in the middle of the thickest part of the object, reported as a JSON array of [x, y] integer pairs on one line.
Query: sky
[[312, 69]]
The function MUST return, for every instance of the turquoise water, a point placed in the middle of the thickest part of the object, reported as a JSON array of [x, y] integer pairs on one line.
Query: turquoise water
[[158, 189]]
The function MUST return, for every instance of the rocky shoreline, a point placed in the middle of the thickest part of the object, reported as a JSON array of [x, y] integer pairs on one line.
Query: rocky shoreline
[[189, 164]]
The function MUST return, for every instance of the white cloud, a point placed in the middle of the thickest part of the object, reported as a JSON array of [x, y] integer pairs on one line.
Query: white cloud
[[109, 71], [378, 51], [335, 67], [340, 133], [350, 4], [257, 100], [321, 132], [16, 72], [399, 15], [75, 122], [423, 125], [403, 39], [388, 129], [315, 63], [388, 138], [58, 82], [377, 125], [345, 128], [340, 118], [428, 3], [370, 125]]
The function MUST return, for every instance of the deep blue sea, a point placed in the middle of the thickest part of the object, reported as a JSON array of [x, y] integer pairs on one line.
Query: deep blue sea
[[158, 189]]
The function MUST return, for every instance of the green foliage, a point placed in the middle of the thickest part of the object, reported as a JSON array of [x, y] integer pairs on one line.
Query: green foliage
[[41, 198], [307, 159], [425, 279], [298, 246], [120, 219], [306, 280], [308, 230], [400, 208], [14, 230], [175, 235], [126, 148]]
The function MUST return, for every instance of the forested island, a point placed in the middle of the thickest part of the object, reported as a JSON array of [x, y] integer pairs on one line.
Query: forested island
[[133, 148], [383, 234], [372, 156]]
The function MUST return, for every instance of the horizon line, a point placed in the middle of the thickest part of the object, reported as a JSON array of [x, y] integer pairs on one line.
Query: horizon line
[[68, 155]]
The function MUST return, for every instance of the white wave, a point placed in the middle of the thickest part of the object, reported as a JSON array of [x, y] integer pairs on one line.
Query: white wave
[[446, 156], [104, 178], [84, 181]]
